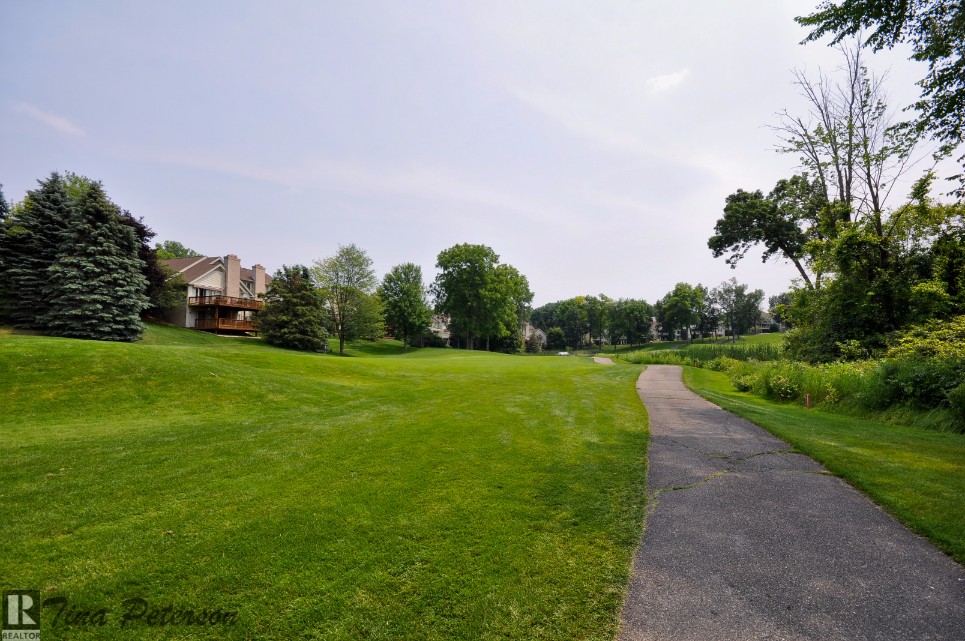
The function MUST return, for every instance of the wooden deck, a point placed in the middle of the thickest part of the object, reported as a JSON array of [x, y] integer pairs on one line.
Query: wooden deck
[[225, 301], [225, 323]]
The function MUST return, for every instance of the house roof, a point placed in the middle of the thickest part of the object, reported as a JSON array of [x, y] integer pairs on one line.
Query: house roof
[[194, 267]]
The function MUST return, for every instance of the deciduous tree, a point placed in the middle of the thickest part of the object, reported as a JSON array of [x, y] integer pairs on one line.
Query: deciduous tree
[[482, 298], [406, 305], [631, 320], [347, 281], [740, 309], [935, 29], [173, 249], [783, 222]]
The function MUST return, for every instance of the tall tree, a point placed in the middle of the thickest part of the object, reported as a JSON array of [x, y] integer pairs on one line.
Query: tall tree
[[34, 235], [847, 139], [4, 292], [598, 317], [347, 279], [460, 286], [544, 316], [507, 299], [159, 286], [631, 320], [935, 29], [573, 318], [96, 283], [294, 312], [407, 309], [679, 310], [740, 309]]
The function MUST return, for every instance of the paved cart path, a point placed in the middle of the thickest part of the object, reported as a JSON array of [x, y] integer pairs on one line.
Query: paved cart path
[[746, 540]]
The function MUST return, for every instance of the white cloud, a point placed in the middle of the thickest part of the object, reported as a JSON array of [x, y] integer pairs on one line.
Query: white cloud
[[51, 120], [666, 82]]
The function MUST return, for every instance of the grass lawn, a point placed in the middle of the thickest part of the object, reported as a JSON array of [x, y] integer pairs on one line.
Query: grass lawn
[[917, 475], [439, 494]]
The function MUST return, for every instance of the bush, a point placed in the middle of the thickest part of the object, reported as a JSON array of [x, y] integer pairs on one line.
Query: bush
[[743, 383], [782, 388], [939, 339], [956, 401], [921, 382]]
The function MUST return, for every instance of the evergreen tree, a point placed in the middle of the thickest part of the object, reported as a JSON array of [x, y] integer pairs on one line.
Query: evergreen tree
[[96, 285], [34, 235], [4, 296], [154, 272], [293, 316]]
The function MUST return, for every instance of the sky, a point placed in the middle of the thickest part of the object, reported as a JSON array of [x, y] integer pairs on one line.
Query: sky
[[590, 144]]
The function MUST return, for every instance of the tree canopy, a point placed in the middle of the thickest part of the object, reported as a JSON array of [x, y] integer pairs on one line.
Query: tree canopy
[[403, 296], [483, 299], [173, 249], [348, 282], [740, 309], [935, 29], [783, 221]]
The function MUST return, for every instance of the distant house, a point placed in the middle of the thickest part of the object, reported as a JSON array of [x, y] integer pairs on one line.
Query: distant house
[[221, 297], [530, 333], [439, 325]]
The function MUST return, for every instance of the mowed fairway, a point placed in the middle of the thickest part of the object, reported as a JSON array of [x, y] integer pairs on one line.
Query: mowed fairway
[[440, 494]]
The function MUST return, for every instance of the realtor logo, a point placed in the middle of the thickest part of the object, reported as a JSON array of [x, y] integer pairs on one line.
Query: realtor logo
[[21, 615]]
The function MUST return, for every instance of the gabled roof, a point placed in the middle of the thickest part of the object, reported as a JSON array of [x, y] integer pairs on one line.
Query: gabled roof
[[194, 267]]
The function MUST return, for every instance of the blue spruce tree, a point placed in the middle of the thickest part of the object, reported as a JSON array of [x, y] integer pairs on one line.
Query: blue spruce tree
[[95, 286]]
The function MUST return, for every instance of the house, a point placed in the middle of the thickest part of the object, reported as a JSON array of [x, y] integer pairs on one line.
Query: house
[[221, 297], [439, 325], [529, 333]]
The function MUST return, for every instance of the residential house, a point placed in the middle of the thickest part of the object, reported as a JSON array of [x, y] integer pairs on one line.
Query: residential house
[[221, 297], [529, 332], [439, 325]]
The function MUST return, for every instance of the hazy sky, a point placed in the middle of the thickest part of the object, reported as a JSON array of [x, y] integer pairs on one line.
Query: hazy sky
[[590, 144]]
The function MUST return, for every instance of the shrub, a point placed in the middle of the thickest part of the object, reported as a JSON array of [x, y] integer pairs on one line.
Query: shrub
[[939, 339], [743, 383], [781, 387], [956, 401]]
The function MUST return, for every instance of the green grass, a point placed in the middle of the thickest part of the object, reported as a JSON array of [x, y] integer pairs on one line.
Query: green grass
[[440, 494], [917, 475]]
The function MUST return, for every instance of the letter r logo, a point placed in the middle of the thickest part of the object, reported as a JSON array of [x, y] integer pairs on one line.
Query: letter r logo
[[21, 610]]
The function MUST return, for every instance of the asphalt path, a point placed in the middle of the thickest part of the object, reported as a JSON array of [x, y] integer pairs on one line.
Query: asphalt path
[[746, 539]]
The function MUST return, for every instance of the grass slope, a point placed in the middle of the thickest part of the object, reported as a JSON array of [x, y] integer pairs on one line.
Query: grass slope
[[917, 475], [434, 495]]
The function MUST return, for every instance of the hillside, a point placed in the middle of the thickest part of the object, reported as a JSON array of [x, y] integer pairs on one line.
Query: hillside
[[439, 493]]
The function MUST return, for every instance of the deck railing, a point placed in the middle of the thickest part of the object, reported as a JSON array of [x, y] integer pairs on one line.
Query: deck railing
[[226, 301], [224, 323]]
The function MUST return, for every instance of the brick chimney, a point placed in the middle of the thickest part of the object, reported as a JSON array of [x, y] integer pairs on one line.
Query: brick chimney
[[259, 272], [232, 285]]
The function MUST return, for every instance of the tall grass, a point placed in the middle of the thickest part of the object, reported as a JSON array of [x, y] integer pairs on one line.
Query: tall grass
[[701, 353], [923, 392]]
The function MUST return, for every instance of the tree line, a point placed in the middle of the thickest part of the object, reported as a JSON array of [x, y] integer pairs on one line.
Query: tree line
[[686, 312], [484, 301]]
